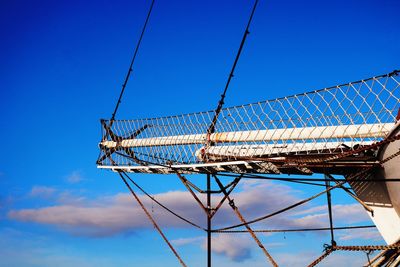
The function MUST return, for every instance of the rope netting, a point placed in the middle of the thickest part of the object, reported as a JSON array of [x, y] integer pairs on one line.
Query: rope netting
[[328, 121]]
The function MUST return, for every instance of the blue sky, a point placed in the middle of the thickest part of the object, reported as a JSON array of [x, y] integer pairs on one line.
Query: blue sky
[[62, 64]]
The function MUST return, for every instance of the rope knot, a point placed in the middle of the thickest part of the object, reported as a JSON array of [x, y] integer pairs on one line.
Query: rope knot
[[327, 247]]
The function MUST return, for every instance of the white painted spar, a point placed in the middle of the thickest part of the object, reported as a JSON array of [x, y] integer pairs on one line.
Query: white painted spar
[[320, 132], [274, 149]]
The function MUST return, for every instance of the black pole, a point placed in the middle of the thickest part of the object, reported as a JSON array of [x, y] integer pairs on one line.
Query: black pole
[[328, 195], [208, 220]]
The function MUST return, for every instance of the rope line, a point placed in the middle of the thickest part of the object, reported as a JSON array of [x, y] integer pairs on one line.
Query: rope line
[[162, 205], [131, 65], [281, 210], [221, 102], [152, 220], [241, 218], [367, 248], [329, 249], [326, 253], [296, 230]]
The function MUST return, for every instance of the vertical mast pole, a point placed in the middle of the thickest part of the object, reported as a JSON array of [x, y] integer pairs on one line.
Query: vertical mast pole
[[208, 220]]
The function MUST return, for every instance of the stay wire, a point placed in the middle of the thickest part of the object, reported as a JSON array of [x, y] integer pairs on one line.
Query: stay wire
[[297, 203], [131, 65], [221, 102], [288, 179], [279, 211], [152, 220], [162, 205], [296, 230]]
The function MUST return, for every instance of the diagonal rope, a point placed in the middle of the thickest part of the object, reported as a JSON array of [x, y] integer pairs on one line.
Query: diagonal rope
[[162, 205], [339, 184], [152, 220], [281, 210], [131, 65], [211, 128], [241, 218], [328, 250]]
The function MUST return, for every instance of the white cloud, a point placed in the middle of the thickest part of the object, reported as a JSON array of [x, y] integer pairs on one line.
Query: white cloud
[[120, 214], [350, 213], [75, 177], [236, 248], [42, 191], [188, 241], [366, 234], [106, 216]]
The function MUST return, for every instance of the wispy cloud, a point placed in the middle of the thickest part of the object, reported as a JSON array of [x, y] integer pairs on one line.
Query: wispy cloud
[[42, 191], [188, 241], [236, 248], [75, 177], [366, 234], [119, 214], [104, 216]]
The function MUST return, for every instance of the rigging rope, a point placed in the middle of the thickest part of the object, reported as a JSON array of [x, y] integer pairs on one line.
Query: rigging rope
[[211, 128], [329, 249], [241, 218], [367, 248], [131, 65], [281, 210], [295, 230], [152, 220], [333, 247], [162, 205]]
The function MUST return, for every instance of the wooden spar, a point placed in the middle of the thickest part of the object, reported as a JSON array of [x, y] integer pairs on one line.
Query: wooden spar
[[320, 132]]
